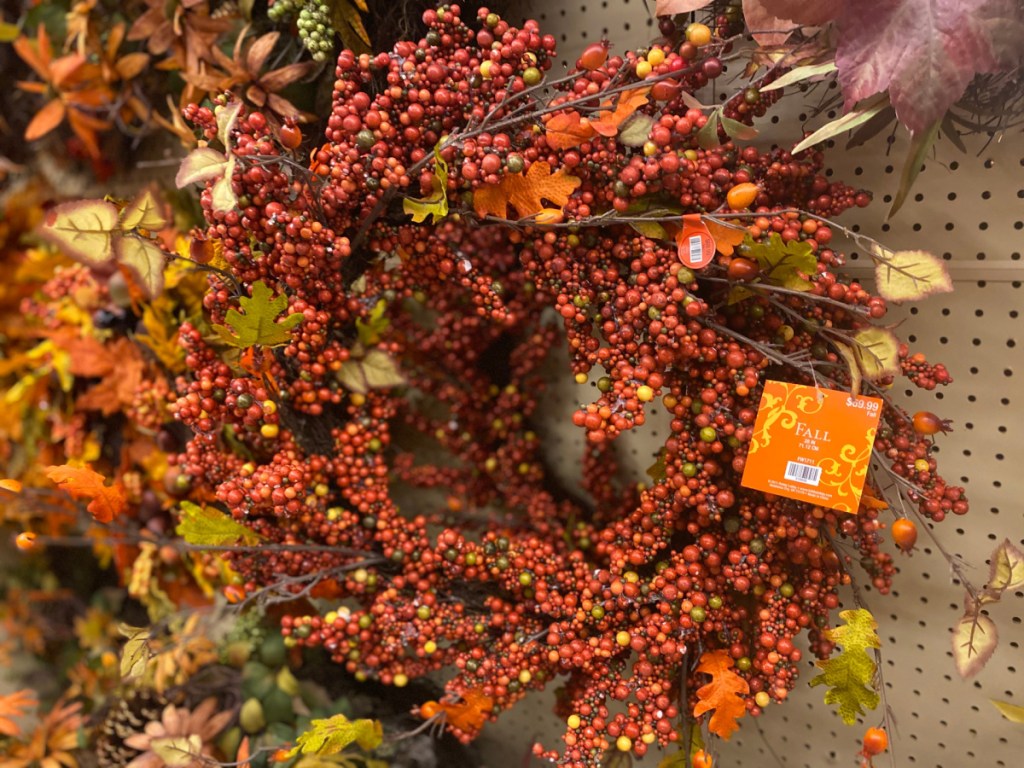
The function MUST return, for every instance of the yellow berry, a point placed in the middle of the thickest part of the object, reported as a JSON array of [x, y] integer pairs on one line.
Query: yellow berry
[[921, 465], [648, 738], [622, 638], [525, 676], [656, 56], [485, 69], [269, 406], [650, 149], [623, 743], [573, 721], [644, 393], [762, 699], [269, 431], [643, 69], [429, 647], [698, 34], [581, 378], [401, 680]]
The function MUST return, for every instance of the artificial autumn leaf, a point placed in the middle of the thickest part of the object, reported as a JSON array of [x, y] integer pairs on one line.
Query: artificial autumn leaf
[[177, 751], [672, 7], [856, 377], [207, 527], [470, 713], [786, 264], [376, 323], [525, 191], [909, 275], [13, 486], [84, 230], [201, 164], [726, 237], [119, 387], [923, 53], [860, 114], [15, 705], [568, 129], [877, 353], [242, 73], [920, 145], [1007, 569], [146, 261], [1012, 712], [143, 213], [259, 324], [161, 335], [330, 736], [975, 638], [635, 131], [435, 206], [136, 653], [107, 501], [375, 370], [608, 121], [723, 694], [347, 22], [850, 675]]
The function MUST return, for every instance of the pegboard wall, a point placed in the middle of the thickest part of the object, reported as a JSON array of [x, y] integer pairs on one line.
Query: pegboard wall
[[969, 208]]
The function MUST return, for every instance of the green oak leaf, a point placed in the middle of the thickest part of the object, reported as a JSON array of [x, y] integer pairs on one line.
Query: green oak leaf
[[258, 322]]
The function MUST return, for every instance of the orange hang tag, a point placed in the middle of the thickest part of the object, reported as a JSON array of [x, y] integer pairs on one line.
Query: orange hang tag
[[696, 245], [812, 445]]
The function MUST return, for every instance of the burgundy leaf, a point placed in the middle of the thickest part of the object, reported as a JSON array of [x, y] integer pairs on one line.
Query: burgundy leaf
[[814, 14], [767, 28], [924, 52]]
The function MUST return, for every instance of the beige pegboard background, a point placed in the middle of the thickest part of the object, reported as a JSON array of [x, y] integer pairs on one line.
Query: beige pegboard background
[[968, 208]]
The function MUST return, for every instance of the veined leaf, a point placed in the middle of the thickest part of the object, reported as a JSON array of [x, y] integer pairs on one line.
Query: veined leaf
[[799, 74], [227, 116], [877, 353], [135, 653], [370, 330], [146, 261], [1007, 568], [202, 164], [178, 751], [143, 213], [223, 194], [84, 230], [850, 675], [259, 324], [856, 116], [975, 638], [734, 129], [206, 527], [786, 264], [909, 275], [375, 370], [525, 191], [856, 377], [330, 736], [636, 130]]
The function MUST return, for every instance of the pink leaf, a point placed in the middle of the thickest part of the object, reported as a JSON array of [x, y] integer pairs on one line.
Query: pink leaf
[[924, 52], [671, 7]]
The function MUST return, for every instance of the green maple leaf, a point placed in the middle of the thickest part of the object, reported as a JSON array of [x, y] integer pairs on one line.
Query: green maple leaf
[[850, 675], [259, 323], [205, 527], [785, 264], [330, 736]]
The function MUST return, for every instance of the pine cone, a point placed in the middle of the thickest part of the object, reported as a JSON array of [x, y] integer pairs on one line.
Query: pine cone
[[127, 716]]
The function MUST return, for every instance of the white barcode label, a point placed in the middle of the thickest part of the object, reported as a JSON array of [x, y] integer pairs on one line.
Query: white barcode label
[[803, 473], [696, 250]]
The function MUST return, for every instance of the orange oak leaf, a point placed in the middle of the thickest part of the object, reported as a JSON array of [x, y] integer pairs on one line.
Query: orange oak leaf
[[525, 192], [726, 238], [608, 121], [469, 714], [567, 130], [107, 501], [722, 694]]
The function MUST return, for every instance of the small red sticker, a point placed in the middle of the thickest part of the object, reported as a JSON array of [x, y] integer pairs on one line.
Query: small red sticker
[[696, 245]]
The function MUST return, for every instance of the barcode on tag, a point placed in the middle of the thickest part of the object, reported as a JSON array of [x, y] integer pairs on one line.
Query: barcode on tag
[[696, 250], [803, 473]]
